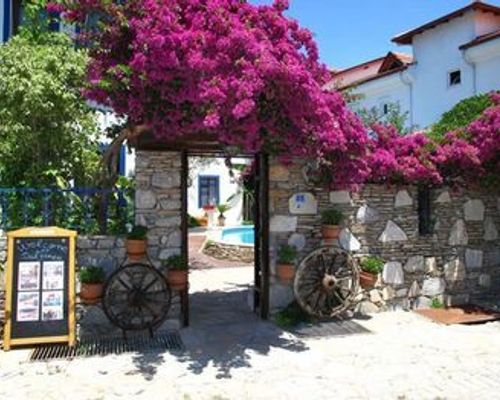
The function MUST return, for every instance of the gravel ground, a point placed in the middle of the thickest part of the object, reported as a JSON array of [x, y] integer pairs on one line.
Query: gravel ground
[[230, 354]]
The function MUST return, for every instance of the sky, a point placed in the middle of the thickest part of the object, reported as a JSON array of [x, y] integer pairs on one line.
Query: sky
[[349, 32]]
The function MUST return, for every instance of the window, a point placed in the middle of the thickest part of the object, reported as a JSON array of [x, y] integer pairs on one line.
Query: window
[[208, 190], [454, 78], [385, 109], [425, 223]]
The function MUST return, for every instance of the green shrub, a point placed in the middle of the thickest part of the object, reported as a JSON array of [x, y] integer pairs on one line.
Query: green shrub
[[193, 222], [177, 262], [291, 316], [92, 275], [436, 303], [331, 217], [460, 116], [138, 232], [222, 208], [247, 222], [372, 264], [287, 254]]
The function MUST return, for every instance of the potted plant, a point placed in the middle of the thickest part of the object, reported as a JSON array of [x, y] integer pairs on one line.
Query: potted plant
[[285, 266], [177, 273], [222, 208], [92, 283], [137, 242], [370, 268], [330, 220]]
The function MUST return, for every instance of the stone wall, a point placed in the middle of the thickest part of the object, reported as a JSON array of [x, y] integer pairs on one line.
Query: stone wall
[[158, 201], [459, 261], [230, 252]]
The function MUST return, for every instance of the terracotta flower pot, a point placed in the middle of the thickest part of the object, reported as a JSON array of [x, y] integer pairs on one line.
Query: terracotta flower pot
[[91, 293], [367, 280], [136, 249], [286, 272], [177, 279], [330, 231], [222, 221]]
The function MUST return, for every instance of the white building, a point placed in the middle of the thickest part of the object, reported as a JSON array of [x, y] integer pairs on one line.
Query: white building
[[210, 183], [454, 57]]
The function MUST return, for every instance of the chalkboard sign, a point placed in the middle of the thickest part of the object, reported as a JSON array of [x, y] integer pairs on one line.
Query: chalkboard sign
[[40, 295]]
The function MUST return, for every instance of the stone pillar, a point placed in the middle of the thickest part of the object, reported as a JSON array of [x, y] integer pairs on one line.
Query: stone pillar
[[158, 201]]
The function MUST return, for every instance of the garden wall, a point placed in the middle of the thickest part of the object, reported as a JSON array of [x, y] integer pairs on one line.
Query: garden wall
[[459, 261]]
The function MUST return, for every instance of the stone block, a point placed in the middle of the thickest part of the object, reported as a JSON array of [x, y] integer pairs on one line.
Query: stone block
[[433, 287], [165, 254], [431, 267], [485, 280], [423, 303], [454, 271], [303, 204], [85, 243], [401, 293], [297, 240], [280, 296], [414, 291], [473, 258], [388, 293], [366, 308], [393, 273], [443, 198], [108, 243], [166, 180], [348, 241], [375, 296], [415, 264], [474, 210], [283, 223], [392, 233], [340, 197], [367, 214], [458, 234], [145, 199], [403, 199], [168, 222], [490, 230], [279, 173]]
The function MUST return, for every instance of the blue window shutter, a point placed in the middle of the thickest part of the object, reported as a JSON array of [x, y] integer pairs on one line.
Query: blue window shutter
[[123, 160], [208, 190], [7, 20]]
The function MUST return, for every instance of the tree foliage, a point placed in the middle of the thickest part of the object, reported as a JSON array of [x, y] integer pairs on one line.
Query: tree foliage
[[461, 115], [47, 130]]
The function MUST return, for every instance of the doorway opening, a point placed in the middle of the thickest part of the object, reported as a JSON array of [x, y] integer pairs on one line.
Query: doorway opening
[[226, 235]]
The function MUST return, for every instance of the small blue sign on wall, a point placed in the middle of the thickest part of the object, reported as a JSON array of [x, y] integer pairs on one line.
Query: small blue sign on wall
[[303, 204]]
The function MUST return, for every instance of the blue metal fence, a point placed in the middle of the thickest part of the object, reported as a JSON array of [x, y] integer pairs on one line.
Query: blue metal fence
[[87, 210]]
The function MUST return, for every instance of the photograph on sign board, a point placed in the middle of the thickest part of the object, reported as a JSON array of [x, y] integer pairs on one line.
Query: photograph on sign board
[[53, 275], [29, 275], [52, 306], [28, 306]]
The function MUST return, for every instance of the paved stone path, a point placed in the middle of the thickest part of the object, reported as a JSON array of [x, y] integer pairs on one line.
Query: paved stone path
[[230, 354]]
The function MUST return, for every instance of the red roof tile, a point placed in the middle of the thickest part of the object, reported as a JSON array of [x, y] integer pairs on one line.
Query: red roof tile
[[407, 37]]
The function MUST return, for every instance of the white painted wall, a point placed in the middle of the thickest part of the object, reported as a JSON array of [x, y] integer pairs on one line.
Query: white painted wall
[[228, 187], [436, 53], [376, 93]]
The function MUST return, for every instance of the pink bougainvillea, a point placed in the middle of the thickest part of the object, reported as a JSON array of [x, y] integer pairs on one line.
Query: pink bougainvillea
[[245, 74], [250, 77]]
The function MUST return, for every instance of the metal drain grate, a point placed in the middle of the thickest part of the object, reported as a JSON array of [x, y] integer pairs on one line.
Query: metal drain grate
[[103, 346], [328, 329]]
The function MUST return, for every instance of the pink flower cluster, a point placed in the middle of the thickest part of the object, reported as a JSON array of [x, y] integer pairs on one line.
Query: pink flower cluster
[[54, 8], [466, 156], [244, 74], [250, 77]]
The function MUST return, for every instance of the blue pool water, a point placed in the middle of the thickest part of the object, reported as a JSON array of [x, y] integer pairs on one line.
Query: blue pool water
[[239, 235]]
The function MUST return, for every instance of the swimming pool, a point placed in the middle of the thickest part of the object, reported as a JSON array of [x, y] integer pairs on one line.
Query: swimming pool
[[242, 235]]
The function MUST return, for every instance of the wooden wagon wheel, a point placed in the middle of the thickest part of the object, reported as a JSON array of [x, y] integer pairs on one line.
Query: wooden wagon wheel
[[136, 296], [326, 282]]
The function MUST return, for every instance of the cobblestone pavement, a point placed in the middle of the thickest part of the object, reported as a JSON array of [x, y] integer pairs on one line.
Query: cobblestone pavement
[[230, 354]]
